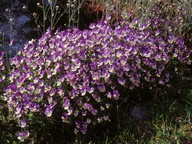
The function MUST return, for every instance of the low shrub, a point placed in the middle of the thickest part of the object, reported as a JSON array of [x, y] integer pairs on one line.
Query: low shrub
[[76, 76]]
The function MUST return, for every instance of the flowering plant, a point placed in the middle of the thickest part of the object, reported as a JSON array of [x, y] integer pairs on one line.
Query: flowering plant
[[79, 72], [2, 70]]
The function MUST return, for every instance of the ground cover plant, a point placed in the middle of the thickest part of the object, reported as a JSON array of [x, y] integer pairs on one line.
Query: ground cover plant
[[79, 72], [76, 82]]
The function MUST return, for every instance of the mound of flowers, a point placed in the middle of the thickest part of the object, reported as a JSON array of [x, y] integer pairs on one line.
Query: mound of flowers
[[79, 72]]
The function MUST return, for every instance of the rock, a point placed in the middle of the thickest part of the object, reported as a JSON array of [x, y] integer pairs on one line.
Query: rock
[[15, 25], [21, 21]]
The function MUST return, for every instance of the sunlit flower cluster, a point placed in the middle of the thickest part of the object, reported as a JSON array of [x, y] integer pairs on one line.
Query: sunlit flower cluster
[[79, 72], [2, 67]]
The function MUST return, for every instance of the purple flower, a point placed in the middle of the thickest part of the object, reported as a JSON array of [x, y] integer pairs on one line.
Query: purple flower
[[87, 106], [92, 26], [21, 80], [83, 90], [23, 123], [116, 94], [66, 104], [101, 88], [49, 109], [65, 117], [121, 81], [90, 89], [171, 38], [34, 107], [52, 92], [18, 109], [96, 76], [23, 135]]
